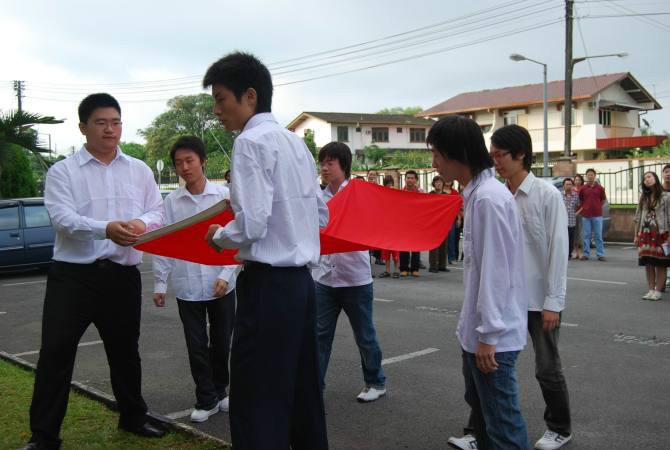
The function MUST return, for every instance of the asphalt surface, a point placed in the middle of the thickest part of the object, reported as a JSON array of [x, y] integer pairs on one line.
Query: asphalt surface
[[615, 350]]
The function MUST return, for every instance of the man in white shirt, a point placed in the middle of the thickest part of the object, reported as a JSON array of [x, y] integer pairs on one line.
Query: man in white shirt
[[99, 200], [344, 282], [545, 224], [492, 325], [275, 398], [205, 294]]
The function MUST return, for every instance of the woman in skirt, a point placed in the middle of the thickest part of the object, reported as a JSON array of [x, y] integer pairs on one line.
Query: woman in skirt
[[651, 233]]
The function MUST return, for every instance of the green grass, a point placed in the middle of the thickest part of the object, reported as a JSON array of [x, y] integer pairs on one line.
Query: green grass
[[88, 424], [624, 206]]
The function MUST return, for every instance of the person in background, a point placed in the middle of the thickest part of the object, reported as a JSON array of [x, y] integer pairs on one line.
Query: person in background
[[570, 200], [437, 257], [591, 199], [578, 182], [205, 294], [388, 255], [651, 233], [226, 176], [410, 262], [373, 177], [452, 238], [666, 188]]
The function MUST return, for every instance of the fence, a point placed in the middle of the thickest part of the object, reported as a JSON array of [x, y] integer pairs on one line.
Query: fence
[[623, 187], [169, 181]]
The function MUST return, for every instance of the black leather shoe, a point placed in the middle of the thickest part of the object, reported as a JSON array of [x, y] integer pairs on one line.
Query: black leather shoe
[[144, 430], [39, 446]]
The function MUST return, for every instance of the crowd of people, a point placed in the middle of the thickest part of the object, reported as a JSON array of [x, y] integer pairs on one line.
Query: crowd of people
[[259, 339]]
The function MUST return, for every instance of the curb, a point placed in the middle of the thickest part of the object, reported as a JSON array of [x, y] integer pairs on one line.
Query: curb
[[157, 420]]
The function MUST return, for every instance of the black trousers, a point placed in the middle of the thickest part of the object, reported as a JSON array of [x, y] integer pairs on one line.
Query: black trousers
[[275, 397], [208, 355], [571, 240], [409, 261], [109, 296]]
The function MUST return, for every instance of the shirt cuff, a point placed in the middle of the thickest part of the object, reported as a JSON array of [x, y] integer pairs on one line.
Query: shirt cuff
[[219, 238], [160, 287], [554, 304], [489, 339], [99, 229]]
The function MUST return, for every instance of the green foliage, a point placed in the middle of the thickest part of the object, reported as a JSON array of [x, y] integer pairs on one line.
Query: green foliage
[[133, 149], [16, 179], [186, 115], [662, 150], [374, 156], [408, 110], [413, 159], [217, 164], [16, 129], [309, 142]]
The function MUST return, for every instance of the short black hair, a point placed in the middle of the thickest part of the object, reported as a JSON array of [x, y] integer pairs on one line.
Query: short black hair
[[568, 179], [388, 179], [516, 140], [437, 178], [192, 143], [461, 139], [667, 166], [339, 152], [412, 172], [95, 101], [238, 72], [591, 170]]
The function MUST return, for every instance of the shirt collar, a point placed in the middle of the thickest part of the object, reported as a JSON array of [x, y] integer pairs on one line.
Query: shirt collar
[[527, 183], [259, 118], [474, 184], [83, 156], [210, 189], [344, 183]]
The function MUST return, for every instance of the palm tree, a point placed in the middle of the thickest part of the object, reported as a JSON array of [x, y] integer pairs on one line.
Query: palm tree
[[16, 129]]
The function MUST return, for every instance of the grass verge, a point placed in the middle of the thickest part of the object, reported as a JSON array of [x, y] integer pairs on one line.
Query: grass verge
[[88, 424]]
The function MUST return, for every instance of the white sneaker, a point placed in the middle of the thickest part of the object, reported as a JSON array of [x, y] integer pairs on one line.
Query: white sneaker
[[224, 405], [370, 394], [201, 415], [648, 295], [467, 442], [655, 295], [552, 441]]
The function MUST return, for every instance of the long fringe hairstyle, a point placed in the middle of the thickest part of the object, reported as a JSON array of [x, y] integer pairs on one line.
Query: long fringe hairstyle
[[651, 196]]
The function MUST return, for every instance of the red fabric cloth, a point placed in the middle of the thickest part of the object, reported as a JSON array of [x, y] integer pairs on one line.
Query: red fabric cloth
[[591, 200], [362, 216]]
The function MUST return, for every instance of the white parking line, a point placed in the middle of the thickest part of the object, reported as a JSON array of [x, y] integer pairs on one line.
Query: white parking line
[[621, 283], [3, 312], [383, 300], [81, 344], [24, 282], [179, 414], [396, 359], [566, 324]]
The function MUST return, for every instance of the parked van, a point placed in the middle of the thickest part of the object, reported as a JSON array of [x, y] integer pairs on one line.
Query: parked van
[[26, 234]]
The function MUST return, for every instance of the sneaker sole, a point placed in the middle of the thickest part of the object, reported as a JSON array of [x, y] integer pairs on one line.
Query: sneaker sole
[[210, 414], [362, 400]]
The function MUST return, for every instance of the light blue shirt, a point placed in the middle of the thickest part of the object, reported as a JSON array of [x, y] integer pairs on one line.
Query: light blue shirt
[[191, 281], [495, 307], [275, 197], [343, 269]]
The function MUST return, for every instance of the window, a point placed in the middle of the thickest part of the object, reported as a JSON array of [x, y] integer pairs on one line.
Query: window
[[510, 118], [36, 216], [358, 129], [605, 117], [9, 218], [417, 134], [380, 135], [398, 130], [342, 134]]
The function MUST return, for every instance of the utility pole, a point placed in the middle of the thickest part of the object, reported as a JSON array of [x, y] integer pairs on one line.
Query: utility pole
[[567, 106], [18, 87]]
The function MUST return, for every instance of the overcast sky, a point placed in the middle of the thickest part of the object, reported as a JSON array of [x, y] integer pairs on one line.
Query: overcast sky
[[147, 52]]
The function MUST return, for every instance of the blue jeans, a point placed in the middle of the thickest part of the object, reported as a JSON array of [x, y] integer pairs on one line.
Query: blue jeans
[[357, 304], [494, 399], [595, 225], [452, 243]]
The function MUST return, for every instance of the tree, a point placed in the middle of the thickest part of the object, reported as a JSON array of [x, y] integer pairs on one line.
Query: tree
[[310, 143], [16, 129], [413, 159], [374, 155], [408, 110], [133, 149], [17, 178], [186, 115], [661, 150]]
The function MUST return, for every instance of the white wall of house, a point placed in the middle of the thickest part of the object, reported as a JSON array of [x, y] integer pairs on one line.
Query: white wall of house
[[322, 130]]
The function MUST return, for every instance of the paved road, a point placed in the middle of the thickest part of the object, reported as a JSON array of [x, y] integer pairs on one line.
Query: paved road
[[615, 350]]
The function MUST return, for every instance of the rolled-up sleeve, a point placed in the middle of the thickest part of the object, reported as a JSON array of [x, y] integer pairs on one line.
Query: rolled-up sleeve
[[60, 203], [251, 196]]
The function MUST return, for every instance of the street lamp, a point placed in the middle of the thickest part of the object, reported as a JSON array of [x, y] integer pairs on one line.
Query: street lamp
[[517, 57], [568, 96]]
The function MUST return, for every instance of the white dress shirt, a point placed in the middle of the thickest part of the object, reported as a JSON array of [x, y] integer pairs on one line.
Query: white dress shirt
[[83, 195], [275, 197], [191, 281], [343, 269], [545, 226], [495, 307]]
